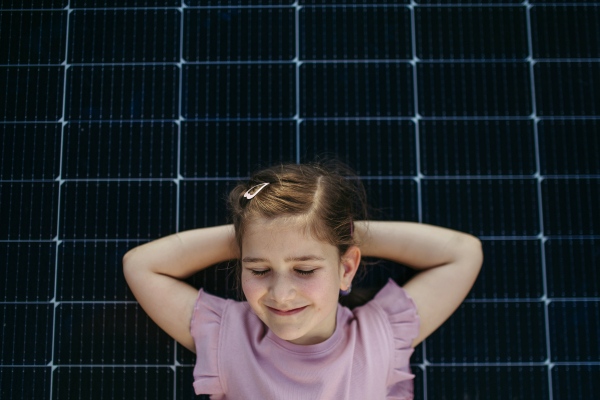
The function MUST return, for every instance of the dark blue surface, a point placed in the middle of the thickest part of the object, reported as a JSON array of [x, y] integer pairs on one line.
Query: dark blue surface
[[121, 124]]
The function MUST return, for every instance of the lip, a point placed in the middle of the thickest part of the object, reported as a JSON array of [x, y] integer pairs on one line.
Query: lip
[[292, 312]]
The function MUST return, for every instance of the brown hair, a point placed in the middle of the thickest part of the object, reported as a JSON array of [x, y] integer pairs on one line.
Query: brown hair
[[318, 196]]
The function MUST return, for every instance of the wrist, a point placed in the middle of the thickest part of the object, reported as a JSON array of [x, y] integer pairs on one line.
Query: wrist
[[362, 237]]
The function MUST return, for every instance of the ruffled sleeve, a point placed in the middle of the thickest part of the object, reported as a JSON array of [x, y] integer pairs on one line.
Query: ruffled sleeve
[[205, 324], [401, 312]]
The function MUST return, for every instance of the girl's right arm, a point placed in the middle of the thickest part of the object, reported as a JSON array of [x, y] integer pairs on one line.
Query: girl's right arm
[[154, 271]]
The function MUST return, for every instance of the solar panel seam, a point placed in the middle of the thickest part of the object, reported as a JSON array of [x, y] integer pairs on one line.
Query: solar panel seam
[[179, 177], [417, 124], [540, 205], [61, 181]]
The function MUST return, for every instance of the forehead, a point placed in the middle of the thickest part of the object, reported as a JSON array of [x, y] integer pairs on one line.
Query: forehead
[[260, 230], [283, 238]]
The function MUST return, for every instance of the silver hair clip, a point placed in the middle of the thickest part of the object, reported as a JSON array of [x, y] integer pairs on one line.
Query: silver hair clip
[[249, 196]]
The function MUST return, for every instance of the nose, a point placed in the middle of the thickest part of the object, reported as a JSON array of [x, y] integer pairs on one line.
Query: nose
[[282, 290]]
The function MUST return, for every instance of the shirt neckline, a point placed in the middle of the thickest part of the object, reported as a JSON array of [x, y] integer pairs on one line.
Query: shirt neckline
[[312, 348]]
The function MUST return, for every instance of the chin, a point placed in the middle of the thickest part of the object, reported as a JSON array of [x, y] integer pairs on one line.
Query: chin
[[287, 334]]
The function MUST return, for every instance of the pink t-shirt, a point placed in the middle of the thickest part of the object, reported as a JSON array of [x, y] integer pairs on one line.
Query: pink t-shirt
[[367, 357]]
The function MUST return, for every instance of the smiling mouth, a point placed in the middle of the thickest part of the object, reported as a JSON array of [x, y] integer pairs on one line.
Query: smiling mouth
[[289, 312]]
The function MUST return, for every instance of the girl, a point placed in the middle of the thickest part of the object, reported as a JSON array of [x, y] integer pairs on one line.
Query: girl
[[298, 247]]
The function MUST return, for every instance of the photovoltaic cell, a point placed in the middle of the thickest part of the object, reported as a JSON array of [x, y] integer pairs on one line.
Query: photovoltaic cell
[[108, 333], [127, 382], [27, 272], [116, 209], [137, 96], [119, 150], [513, 200], [483, 89], [32, 93], [226, 149], [355, 33], [238, 91], [25, 202], [577, 138], [491, 333], [575, 39], [463, 147], [124, 122], [33, 37], [27, 334], [22, 159], [379, 147], [571, 268], [239, 38], [155, 38], [488, 381], [123, 3], [567, 88], [515, 271], [83, 272], [563, 219], [473, 33], [26, 383], [35, 4], [330, 90]]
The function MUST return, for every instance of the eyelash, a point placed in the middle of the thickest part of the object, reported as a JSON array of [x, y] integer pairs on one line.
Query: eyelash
[[261, 273]]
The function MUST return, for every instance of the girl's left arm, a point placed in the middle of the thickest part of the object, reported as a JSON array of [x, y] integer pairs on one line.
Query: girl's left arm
[[418, 246], [450, 262]]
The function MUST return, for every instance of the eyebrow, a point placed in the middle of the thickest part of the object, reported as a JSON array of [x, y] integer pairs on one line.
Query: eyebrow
[[296, 258]]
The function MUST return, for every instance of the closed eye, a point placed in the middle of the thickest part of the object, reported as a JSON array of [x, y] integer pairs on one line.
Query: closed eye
[[261, 273]]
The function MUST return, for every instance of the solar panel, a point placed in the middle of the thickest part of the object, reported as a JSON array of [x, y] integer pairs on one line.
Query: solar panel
[[125, 122]]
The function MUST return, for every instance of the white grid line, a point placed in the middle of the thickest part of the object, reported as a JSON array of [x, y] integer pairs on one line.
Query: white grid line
[[179, 178], [354, 61], [537, 175], [60, 184], [423, 365], [298, 63], [364, 178], [316, 6]]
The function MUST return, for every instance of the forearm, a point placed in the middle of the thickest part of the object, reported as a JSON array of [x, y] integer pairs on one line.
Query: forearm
[[182, 254], [419, 246]]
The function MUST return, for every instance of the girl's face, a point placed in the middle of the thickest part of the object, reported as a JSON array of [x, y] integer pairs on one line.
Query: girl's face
[[278, 255]]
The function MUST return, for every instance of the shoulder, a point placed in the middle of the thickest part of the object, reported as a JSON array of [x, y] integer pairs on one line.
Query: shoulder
[[393, 308]]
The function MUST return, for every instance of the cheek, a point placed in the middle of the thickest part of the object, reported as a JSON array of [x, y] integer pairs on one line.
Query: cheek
[[316, 289], [252, 288]]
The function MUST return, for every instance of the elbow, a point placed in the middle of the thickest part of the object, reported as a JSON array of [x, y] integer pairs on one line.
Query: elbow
[[124, 269], [477, 249], [127, 260], [127, 268], [128, 255], [476, 242], [133, 264], [472, 238]]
